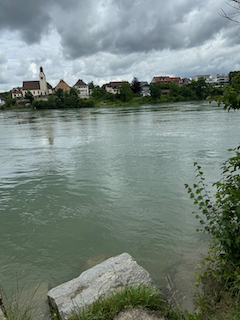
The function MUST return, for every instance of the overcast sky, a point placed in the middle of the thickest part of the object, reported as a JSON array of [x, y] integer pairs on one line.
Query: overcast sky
[[112, 40]]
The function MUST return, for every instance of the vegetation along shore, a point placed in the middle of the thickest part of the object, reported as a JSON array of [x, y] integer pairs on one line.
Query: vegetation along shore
[[126, 94]]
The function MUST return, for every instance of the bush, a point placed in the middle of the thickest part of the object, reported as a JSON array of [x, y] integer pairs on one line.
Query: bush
[[221, 217]]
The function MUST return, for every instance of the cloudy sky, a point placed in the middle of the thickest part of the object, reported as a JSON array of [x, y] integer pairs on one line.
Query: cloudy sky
[[111, 40]]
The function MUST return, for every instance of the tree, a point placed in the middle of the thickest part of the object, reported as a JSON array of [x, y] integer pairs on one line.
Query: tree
[[60, 94], [74, 92], [135, 85], [235, 13], [231, 95], [125, 91], [156, 90], [29, 96], [91, 85], [233, 74]]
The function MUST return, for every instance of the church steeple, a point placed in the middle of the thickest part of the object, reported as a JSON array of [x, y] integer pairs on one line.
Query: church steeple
[[43, 83]]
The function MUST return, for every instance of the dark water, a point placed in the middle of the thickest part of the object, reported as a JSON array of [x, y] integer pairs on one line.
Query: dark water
[[78, 184]]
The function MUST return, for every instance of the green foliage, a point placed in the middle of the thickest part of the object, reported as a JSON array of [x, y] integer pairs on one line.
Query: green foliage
[[135, 85], [231, 95], [22, 303], [29, 96], [126, 93], [107, 306], [221, 217], [91, 85], [232, 75], [9, 100], [156, 90], [60, 95], [74, 92]]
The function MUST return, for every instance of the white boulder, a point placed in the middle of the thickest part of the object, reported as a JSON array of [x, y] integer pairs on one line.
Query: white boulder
[[91, 284]]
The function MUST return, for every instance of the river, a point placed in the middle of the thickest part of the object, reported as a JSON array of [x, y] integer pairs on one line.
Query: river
[[80, 185]]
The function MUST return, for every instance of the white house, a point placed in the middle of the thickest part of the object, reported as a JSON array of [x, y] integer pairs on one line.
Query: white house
[[220, 78], [2, 100], [204, 76], [144, 88], [113, 87], [82, 88]]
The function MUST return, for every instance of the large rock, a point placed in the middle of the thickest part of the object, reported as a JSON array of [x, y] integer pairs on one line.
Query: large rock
[[91, 284]]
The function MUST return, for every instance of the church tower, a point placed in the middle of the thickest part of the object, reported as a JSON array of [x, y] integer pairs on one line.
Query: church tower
[[43, 83]]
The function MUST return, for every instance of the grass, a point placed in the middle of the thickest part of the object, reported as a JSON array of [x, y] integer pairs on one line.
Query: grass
[[21, 304], [107, 306]]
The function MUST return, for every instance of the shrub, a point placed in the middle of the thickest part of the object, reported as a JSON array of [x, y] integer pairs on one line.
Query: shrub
[[221, 217]]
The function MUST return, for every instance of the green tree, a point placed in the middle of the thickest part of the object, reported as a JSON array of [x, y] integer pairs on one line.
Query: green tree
[[156, 90], [74, 92], [221, 216], [175, 89], [91, 85], [60, 95], [29, 96], [125, 91], [135, 85], [231, 95], [9, 100], [233, 74]]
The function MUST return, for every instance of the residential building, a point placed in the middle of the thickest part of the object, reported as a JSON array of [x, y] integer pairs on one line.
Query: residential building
[[144, 88], [205, 77], [166, 79], [62, 85], [37, 88], [17, 92], [113, 87], [82, 88], [220, 78], [184, 81], [2, 100]]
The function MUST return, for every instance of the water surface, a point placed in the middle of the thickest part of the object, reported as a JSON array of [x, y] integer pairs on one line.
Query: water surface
[[78, 184]]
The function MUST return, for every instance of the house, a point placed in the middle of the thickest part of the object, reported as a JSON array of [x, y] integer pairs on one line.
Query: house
[[62, 85], [82, 88], [184, 81], [113, 87], [166, 79], [2, 100], [144, 88], [17, 92], [220, 79], [37, 88], [204, 76]]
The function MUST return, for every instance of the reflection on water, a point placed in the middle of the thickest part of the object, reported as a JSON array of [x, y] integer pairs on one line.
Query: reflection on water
[[79, 184]]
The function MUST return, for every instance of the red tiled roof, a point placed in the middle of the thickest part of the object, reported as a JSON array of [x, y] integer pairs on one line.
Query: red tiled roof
[[164, 79]]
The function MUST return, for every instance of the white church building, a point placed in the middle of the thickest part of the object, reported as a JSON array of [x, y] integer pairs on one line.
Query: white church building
[[37, 88]]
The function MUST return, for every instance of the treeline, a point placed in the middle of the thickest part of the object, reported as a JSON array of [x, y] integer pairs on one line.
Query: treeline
[[127, 93], [159, 93], [196, 90], [61, 99]]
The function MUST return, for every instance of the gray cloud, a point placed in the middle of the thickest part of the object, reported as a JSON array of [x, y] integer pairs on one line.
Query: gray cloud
[[105, 40], [116, 26]]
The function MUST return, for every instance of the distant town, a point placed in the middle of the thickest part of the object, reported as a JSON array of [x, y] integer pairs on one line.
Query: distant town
[[40, 89]]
